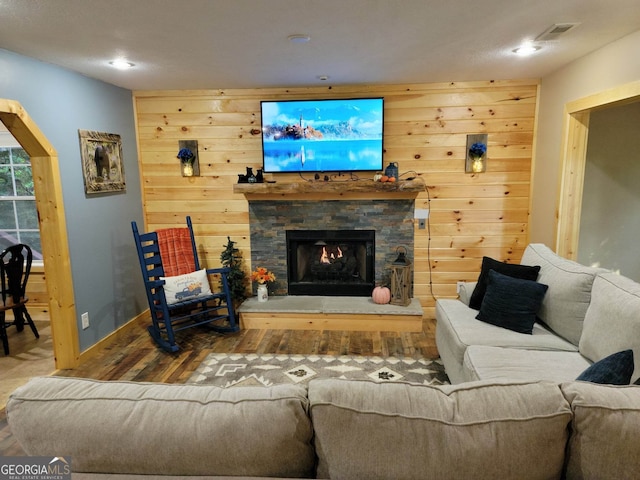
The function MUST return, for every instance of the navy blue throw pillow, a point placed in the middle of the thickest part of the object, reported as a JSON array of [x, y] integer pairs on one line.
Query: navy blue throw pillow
[[511, 303], [616, 369], [525, 272]]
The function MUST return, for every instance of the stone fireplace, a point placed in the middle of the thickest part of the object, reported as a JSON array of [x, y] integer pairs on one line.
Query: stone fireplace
[[377, 228]]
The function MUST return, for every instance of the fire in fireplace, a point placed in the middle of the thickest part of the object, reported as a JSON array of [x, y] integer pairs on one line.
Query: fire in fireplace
[[331, 262]]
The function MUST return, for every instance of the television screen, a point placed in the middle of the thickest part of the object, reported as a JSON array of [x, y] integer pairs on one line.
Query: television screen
[[322, 135]]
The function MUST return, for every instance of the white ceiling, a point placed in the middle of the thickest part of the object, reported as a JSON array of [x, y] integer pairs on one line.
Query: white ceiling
[[210, 44]]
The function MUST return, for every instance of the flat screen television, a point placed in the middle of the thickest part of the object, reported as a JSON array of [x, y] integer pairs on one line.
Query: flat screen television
[[336, 135]]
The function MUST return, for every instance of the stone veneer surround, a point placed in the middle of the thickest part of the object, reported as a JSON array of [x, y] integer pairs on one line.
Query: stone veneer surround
[[392, 221]]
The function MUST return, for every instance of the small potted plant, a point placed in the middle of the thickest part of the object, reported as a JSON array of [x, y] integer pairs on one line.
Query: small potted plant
[[231, 258], [187, 158], [262, 276]]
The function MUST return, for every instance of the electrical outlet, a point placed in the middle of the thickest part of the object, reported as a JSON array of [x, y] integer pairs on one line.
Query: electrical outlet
[[421, 224], [85, 320]]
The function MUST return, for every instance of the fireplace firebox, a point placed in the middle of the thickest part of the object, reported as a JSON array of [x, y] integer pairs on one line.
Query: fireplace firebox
[[331, 262]]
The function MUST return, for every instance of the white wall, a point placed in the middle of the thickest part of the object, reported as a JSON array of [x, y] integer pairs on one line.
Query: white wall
[[610, 224], [613, 65]]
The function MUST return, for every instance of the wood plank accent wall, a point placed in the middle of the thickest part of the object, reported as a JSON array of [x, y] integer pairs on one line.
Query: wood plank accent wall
[[471, 215], [37, 287]]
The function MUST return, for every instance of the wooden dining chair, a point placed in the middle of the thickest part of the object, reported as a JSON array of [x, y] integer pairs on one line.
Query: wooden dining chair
[[15, 267]]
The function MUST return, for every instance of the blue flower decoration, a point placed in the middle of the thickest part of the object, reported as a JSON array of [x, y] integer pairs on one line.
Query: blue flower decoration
[[185, 154], [477, 150]]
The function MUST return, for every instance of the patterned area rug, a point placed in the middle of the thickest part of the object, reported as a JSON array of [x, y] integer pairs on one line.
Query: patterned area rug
[[228, 370]]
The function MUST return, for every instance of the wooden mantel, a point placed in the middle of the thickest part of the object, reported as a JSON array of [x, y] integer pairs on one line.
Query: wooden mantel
[[357, 189]]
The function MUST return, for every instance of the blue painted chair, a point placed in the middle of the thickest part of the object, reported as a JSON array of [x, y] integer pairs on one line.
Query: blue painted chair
[[183, 310], [15, 266]]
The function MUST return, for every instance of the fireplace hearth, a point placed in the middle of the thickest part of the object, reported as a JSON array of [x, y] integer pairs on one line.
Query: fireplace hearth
[[330, 262]]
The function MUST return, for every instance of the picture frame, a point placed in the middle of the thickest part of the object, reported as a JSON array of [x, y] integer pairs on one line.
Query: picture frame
[[102, 164]]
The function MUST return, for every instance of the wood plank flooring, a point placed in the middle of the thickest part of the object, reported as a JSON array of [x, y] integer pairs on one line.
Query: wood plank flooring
[[134, 357]]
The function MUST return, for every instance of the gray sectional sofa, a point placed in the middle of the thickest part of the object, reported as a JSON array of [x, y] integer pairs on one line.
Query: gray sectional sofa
[[586, 315], [338, 429], [513, 411]]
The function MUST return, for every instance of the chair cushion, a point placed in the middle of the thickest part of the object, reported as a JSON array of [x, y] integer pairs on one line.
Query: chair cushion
[[513, 270], [616, 369], [166, 429], [511, 302], [186, 287], [365, 430]]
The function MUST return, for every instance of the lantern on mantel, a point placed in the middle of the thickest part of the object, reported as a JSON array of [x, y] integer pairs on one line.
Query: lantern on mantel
[[401, 278]]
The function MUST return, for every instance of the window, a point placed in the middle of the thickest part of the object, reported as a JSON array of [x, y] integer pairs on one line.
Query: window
[[18, 214]]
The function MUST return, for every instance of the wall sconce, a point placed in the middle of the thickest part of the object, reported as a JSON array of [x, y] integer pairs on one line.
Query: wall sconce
[[476, 161], [401, 279], [188, 155]]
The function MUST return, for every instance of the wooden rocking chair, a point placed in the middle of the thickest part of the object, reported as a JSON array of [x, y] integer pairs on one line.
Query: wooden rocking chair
[[177, 289]]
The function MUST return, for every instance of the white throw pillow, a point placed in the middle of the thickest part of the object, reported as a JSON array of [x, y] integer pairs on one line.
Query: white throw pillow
[[186, 287]]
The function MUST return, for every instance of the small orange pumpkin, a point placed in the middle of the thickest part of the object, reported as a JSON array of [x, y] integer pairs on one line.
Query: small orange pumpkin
[[381, 295], [384, 178]]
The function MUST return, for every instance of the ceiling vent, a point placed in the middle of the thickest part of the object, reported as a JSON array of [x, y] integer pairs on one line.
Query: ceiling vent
[[555, 31]]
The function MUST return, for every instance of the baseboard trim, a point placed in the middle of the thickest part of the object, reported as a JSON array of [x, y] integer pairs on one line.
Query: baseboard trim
[[96, 348]]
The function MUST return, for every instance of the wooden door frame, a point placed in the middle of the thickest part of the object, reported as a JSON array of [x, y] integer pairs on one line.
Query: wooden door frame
[[573, 161], [53, 231]]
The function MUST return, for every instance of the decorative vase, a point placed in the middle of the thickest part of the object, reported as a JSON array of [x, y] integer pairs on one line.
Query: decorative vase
[[263, 293], [477, 165], [187, 169]]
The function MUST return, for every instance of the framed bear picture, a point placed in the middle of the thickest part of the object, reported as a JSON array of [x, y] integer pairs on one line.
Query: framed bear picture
[[102, 166]]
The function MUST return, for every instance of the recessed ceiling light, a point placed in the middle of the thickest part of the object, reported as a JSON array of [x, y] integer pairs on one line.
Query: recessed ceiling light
[[526, 49], [298, 38], [121, 64]]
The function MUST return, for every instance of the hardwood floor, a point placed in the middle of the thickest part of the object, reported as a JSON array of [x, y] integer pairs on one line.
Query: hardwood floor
[[134, 357], [28, 356]]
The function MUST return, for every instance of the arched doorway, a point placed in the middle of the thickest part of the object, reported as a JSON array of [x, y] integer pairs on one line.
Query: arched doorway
[[53, 231]]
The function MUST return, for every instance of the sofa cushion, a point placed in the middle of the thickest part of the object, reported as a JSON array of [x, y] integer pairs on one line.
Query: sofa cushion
[[523, 365], [511, 269], [605, 439], [160, 429], [465, 290], [365, 430], [565, 305], [616, 369], [457, 328], [511, 302], [612, 322]]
